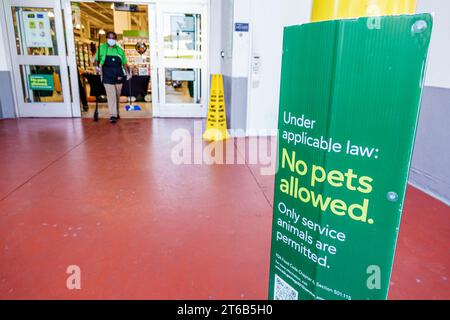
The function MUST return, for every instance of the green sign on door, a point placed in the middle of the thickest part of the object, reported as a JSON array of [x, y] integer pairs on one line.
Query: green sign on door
[[41, 82], [349, 105]]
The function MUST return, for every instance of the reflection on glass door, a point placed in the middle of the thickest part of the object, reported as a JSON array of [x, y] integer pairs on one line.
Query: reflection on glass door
[[182, 60], [183, 86], [38, 56], [182, 36]]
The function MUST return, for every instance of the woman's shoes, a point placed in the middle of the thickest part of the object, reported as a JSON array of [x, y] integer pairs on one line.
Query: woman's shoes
[[113, 119]]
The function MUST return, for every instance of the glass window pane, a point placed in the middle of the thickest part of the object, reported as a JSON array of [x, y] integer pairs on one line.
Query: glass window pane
[[182, 36], [183, 86], [35, 31], [41, 84]]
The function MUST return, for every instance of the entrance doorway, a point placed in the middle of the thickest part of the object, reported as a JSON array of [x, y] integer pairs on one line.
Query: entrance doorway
[[53, 43], [91, 22]]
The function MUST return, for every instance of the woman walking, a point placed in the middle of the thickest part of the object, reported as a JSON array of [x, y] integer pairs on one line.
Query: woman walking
[[111, 62]]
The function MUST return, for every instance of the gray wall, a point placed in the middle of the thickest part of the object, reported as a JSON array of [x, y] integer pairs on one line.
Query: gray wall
[[234, 64], [236, 102], [430, 170], [7, 109]]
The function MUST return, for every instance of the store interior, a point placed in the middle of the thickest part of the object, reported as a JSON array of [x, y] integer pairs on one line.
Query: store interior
[[91, 21]]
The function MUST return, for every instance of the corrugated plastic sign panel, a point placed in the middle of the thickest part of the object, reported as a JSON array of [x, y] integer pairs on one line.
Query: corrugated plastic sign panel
[[349, 105]]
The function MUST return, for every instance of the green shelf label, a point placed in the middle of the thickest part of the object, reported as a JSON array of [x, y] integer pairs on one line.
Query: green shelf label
[[349, 106], [135, 33]]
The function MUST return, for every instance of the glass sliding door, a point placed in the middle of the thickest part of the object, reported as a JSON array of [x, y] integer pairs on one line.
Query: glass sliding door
[[35, 32], [182, 60]]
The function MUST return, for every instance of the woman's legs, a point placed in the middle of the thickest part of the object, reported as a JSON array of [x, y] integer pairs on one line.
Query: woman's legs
[[118, 92], [111, 95]]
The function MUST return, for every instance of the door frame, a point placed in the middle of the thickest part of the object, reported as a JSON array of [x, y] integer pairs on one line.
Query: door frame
[[37, 109], [66, 7]]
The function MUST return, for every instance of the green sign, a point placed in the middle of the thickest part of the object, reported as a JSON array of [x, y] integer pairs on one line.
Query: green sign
[[349, 105], [41, 82]]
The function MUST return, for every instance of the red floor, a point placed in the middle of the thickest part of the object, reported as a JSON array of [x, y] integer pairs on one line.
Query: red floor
[[110, 200]]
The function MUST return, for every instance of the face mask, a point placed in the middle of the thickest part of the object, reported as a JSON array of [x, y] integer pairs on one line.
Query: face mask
[[111, 42]]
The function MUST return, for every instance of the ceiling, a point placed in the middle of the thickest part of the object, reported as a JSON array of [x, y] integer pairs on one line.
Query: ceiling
[[101, 14]]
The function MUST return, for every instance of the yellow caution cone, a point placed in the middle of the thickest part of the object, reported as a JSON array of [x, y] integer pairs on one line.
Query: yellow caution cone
[[216, 123]]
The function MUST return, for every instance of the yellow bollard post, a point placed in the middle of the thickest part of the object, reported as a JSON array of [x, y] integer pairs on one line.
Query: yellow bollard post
[[216, 123], [342, 9]]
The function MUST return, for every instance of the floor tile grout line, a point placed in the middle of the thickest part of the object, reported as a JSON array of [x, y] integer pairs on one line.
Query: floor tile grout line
[[259, 185], [253, 175], [45, 168]]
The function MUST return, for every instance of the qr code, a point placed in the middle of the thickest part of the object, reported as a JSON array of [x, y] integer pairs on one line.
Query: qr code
[[283, 291]]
